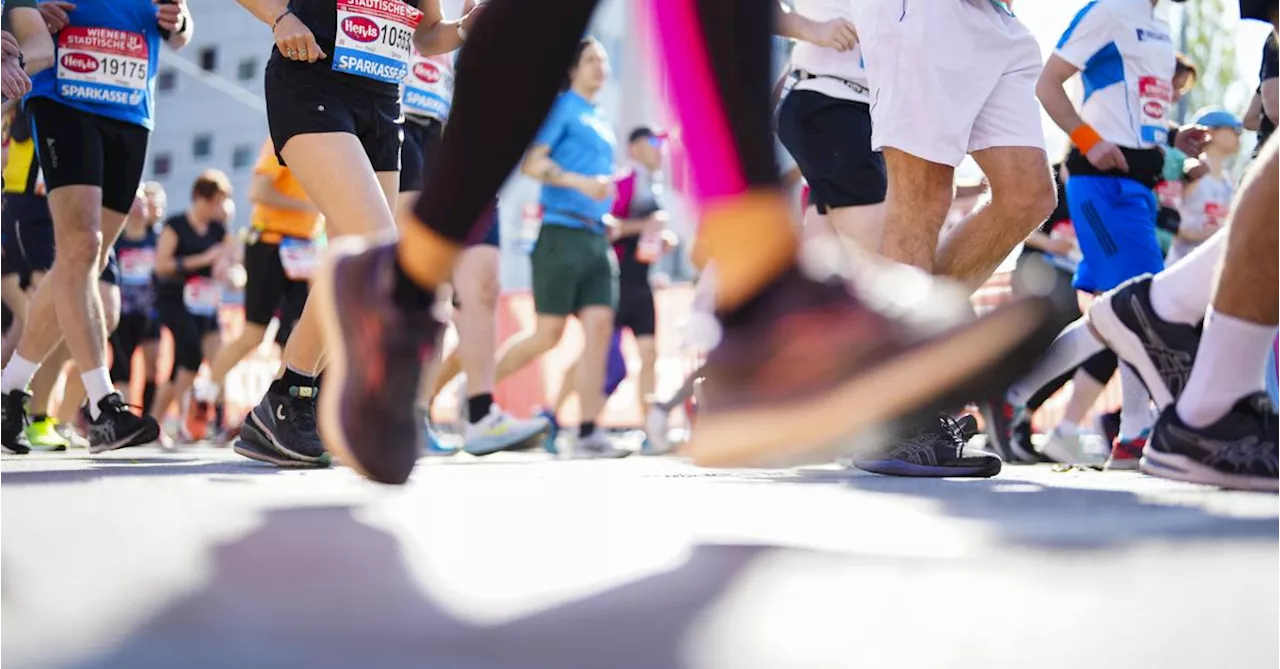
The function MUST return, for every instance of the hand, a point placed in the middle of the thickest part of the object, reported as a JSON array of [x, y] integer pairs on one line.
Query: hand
[[597, 188], [1058, 246], [471, 11], [14, 83], [838, 34], [55, 14], [1191, 139], [1107, 156], [170, 15], [1194, 170], [11, 48], [295, 41]]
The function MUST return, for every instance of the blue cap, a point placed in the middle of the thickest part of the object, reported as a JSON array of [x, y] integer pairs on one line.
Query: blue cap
[[1217, 117]]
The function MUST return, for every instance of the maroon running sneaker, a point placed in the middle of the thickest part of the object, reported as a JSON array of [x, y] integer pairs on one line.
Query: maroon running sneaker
[[376, 353], [812, 366]]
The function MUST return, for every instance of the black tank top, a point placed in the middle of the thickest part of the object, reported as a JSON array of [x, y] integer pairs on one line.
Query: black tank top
[[321, 16], [191, 243], [137, 266]]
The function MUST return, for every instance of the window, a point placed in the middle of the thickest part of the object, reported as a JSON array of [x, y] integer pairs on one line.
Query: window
[[209, 58], [242, 157], [166, 80], [162, 165], [202, 146], [248, 69]]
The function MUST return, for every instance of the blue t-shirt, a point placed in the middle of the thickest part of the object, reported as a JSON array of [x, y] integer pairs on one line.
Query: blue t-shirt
[[106, 61], [581, 141]]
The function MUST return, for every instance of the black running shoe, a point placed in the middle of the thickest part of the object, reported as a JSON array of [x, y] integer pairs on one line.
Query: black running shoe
[[968, 424], [1008, 431], [1239, 451], [1160, 351], [936, 450], [812, 372], [13, 424], [376, 354], [118, 427], [282, 429]]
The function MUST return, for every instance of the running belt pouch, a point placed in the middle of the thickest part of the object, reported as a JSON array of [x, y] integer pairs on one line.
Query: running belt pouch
[[1146, 166]]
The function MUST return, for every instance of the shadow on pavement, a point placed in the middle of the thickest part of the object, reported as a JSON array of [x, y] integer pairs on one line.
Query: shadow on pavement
[[144, 467], [315, 588]]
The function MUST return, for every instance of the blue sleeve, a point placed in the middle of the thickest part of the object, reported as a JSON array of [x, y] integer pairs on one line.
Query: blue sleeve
[[1090, 31], [554, 127]]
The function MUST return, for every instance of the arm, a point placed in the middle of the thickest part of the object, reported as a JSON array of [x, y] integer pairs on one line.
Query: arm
[[166, 248], [265, 10], [175, 18], [838, 34], [262, 191], [33, 36], [1253, 115], [539, 165], [1270, 88], [435, 35], [627, 227]]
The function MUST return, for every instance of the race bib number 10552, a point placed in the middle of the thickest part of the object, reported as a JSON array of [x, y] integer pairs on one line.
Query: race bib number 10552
[[374, 37], [102, 65]]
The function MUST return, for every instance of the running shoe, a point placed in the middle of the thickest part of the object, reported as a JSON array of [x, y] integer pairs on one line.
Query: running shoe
[[500, 431], [13, 423], [432, 444], [199, 413], [75, 438], [935, 450], [1161, 352], [1108, 425], [282, 430], [1125, 453], [376, 354], [781, 382], [1008, 430], [657, 432], [968, 425], [553, 431], [598, 446], [42, 434], [1238, 452], [118, 427], [1069, 449]]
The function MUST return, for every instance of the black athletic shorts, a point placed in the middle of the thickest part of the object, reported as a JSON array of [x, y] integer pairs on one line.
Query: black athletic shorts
[[1259, 10], [134, 330], [301, 101], [421, 141], [188, 331], [636, 310], [266, 284], [28, 236], [289, 312], [830, 140], [77, 148]]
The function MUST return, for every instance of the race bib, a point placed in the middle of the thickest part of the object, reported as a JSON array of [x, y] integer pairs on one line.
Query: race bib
[[299, 258], [374, 38], [102, 65], [136, 266], [1155, 95], [1169, 194], [428, 87], [1215, 213], [202, 295]]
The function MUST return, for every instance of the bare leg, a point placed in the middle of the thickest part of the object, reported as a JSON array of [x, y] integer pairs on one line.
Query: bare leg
[[648, 349], [597, 328], [916, 206], [524, 348], [568, 384]]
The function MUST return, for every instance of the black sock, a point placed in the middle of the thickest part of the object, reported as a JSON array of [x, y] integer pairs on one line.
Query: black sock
[[292, 379], [148, 397], [587, 428], [409, 295], [37, 417], [478, 406], [219, 415]]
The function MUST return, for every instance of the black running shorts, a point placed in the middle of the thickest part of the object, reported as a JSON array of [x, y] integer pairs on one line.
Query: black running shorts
[[266, 284], [636, 310], [421, 140], [81, 149], [830, 140]]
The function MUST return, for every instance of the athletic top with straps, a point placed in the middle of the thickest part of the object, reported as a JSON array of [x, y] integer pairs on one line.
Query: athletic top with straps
[[368, 42], [834, 73], [190, 243]]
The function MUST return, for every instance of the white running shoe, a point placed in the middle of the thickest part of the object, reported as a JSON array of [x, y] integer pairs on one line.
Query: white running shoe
[[598, 446], [657, 431], [1069, 449], [500, 431]]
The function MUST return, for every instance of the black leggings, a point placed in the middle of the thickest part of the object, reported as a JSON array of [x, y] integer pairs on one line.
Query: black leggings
[[188, 332]]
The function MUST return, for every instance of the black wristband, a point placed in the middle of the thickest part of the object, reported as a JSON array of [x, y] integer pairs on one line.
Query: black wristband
[[22, 63], [280, 18], [182, 24]]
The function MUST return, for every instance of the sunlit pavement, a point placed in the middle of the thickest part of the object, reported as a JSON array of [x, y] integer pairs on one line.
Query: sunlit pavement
[[198, 559]]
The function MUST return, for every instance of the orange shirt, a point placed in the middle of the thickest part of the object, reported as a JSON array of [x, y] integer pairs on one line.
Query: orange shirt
[[288, 222]]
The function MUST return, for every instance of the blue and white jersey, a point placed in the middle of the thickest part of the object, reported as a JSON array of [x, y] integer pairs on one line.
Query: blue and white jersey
[[1126, 60], [106, 61], [840, 75]]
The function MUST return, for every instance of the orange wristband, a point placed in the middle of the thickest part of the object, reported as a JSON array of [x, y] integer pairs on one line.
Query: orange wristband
[[1085, 137]]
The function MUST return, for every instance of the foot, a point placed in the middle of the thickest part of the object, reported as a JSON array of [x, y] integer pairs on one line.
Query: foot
[[1161, 352], [1108, 425], [780, 384], [117, 427], [1068, 449], [282, 429], [75, 439], [376, 354], [553, 431], [1238, 452], [433, 445], [1125, 453], [500, 431], [1008, 429], [199, 413], [42, 435], [13, 423], [968, 426], [935, 450], [657, 432], [598, 446]]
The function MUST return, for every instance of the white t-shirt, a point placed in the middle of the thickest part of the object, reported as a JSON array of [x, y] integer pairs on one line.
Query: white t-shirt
[[1203, 208], [831, 65], [1126, 60]]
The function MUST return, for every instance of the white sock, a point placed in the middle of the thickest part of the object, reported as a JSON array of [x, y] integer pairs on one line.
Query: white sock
[[17, 374], [1075, 345], [207, 391], [1230, 364], [1181, 293], [97, 385], [1135, 409]]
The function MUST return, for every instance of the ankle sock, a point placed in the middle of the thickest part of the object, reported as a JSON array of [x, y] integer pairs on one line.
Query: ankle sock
[[17, 374], [479, 406], [292, 378], [587, 428], [97, 385]]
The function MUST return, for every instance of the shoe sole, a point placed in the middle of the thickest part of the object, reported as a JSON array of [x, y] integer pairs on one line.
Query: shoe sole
[[148, 433], [521, 444], [255, 424], [1107, 326], [13, 451], [1181, 468], [1130, 465], [910, 470], [1063, 457], [255, 452], [979, 359]]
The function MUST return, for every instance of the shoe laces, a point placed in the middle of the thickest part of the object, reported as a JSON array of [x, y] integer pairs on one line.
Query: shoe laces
[[951, 429], [303, 413]]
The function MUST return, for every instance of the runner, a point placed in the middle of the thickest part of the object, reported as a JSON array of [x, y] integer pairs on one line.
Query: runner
[[831, 349], [1265, 106], [428, 93], [139, 326], [93, 128], [333, 106], [279, 256], [1205, 202], [188, 294]]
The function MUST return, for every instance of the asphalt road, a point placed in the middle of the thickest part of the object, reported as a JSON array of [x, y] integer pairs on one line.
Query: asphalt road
[[198, 559]]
